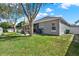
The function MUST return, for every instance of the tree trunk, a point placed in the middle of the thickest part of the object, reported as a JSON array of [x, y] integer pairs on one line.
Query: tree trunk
[[14, 28], [24, 30], [31, 28]]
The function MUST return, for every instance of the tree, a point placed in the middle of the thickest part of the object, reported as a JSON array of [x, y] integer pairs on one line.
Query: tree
[[31, 10], [21, 24], [5, 26], [11, 12], [77, 22], [13, 15]]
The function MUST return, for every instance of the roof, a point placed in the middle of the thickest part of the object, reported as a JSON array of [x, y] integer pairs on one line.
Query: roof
[[74, 25], [49, 18]]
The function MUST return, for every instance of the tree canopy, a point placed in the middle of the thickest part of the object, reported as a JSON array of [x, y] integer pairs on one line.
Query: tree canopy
[[31, 10], [10, 10], [21, 24], [5, 26]]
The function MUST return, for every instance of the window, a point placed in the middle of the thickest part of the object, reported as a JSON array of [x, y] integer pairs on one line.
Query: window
[[53, 27]]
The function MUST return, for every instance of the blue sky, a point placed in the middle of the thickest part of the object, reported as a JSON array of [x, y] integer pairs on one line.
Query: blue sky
[[69, 11]]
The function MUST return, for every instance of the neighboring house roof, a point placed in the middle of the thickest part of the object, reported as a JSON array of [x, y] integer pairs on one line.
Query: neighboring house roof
[[49, 18], [73, 25]]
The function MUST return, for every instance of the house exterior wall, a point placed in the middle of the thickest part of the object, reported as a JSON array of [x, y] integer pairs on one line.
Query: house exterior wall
[[47, 27], [62, 28], [1, 30], [10, 30], [74, 29]]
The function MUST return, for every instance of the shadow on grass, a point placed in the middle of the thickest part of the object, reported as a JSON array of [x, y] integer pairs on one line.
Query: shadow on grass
[[4, 38], [47, 35], [74, 47]]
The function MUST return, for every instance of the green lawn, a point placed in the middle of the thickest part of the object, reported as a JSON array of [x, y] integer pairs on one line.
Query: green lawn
[[36, 45], [74, 47]]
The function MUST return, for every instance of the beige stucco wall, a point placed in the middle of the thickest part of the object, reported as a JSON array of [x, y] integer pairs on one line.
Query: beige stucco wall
[[74, 30], [62, 28], [47, 27]]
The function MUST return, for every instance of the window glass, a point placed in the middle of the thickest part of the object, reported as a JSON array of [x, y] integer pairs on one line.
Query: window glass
[[53, 27]]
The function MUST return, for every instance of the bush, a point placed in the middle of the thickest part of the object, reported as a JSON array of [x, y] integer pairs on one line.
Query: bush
[[5, 30], [5, 26], [67, 31]]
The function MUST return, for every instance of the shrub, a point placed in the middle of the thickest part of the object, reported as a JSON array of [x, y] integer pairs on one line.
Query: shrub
[[67, 31]]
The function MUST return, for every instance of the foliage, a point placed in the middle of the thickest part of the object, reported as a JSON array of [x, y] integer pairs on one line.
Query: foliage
[[12, 11], [21, 24], [31, 10], [9, 10], [76, 21], [67, 31], [5, 26]]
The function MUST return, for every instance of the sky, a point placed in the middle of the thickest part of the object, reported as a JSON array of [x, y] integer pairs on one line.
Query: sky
[[69, 11]]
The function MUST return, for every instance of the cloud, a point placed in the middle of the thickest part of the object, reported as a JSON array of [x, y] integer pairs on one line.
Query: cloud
[[59, 15], [51, 14], [67, 5], [42, 14], [49, 10], [45, 14]]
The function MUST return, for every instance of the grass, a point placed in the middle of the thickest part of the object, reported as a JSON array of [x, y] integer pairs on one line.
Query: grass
[[11, 34], [37, 45], [74, 47]]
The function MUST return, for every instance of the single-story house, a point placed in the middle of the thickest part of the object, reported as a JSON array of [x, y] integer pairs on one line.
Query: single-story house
[[54, 26], [1, 30], [74, 29], [11, 30]]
